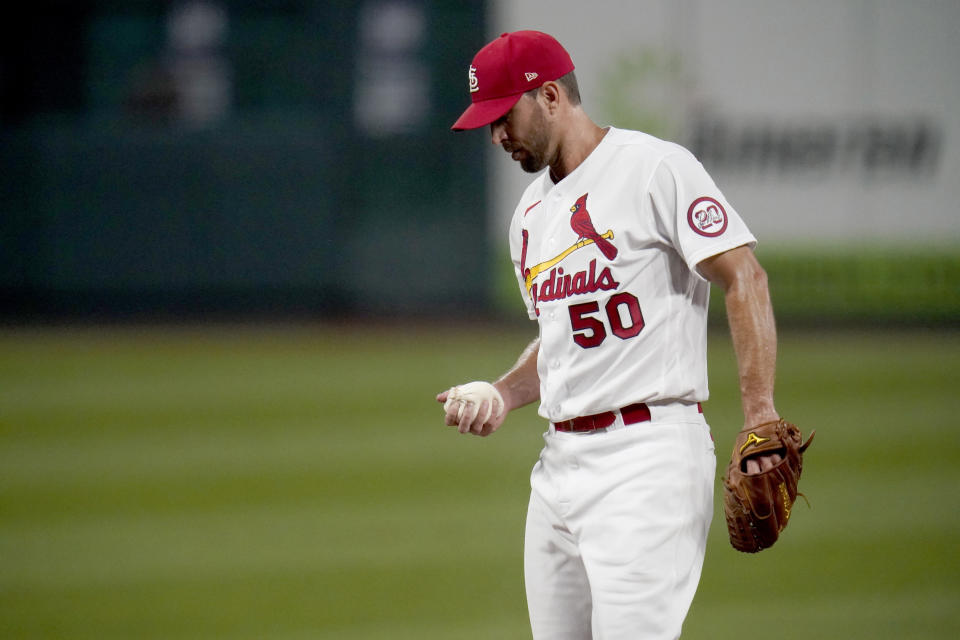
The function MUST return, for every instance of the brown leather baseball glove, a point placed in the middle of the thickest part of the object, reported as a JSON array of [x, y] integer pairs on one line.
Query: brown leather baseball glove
[[757, 506]]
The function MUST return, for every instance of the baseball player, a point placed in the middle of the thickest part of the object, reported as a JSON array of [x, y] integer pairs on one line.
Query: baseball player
[[615, 244]]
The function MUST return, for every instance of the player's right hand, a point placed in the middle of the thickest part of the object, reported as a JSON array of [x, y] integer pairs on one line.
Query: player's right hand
[[475, 407]]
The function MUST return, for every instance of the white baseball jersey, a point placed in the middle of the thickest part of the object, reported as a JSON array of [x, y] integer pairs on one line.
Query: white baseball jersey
[[606, 261]]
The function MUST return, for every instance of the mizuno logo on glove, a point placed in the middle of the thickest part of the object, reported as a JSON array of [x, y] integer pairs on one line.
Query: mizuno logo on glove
[[752, 439]]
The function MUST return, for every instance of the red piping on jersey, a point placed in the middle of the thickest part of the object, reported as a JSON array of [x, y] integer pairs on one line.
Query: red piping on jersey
[[523, 252]]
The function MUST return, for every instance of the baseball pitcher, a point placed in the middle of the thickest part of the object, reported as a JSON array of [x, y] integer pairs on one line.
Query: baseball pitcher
[[615, 245]]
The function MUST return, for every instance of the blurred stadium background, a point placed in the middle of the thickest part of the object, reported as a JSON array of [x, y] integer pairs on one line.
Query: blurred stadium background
[[240, 251]]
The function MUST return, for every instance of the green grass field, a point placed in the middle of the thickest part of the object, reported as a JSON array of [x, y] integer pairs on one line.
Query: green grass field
[[298, 482]]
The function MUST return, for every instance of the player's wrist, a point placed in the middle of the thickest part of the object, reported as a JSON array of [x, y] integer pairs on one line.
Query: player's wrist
[[505, 394], [753, 418]]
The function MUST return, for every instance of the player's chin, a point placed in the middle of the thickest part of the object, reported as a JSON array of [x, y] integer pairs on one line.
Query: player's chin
[[531, 163]]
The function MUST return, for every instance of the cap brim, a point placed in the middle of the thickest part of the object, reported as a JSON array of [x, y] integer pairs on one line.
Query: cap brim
[[480, 114]]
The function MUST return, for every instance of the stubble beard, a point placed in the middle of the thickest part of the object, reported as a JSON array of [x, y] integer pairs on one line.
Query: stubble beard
[[534, 153], [532, 162]]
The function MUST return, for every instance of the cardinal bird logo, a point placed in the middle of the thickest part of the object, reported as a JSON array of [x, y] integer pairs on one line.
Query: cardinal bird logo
[[581, 223], [547, 282]]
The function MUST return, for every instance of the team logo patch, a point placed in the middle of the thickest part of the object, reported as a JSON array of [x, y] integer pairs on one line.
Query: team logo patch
[[472, 76], [707, 217]]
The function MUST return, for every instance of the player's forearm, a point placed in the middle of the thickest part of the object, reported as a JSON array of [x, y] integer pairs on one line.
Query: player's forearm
[[754, 334], [521, 384]]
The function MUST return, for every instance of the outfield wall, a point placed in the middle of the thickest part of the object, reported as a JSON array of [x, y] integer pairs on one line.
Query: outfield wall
[[239, 158], [246, 158]]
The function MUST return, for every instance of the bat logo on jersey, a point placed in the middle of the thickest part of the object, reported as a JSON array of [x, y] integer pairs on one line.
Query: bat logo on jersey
[[707, 217], [559, 285]]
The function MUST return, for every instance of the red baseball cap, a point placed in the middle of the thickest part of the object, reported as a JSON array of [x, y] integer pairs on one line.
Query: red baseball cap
[[506, 68]]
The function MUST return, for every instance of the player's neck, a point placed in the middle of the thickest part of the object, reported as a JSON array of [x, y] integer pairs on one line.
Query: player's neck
[[580, 138]]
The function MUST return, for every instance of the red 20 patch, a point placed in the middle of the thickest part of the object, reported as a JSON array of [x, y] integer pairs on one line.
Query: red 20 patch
[[707, 217]]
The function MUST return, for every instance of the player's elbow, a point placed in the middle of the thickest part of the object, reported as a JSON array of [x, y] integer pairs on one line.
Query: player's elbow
[[757, 276], [748, 279]]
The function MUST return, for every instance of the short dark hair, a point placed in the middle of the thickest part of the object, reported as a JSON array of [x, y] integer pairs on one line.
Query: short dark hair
[[569, 84]]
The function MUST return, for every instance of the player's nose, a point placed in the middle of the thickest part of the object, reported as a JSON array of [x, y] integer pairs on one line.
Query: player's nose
[[498, 132]]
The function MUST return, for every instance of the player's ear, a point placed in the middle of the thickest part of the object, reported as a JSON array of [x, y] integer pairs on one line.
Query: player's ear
[[550, 95]]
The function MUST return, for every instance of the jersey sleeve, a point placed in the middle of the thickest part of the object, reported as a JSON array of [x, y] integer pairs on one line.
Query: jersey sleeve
[[693, 213]]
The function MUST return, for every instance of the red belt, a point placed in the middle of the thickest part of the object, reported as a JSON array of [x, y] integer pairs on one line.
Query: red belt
[[632, 414]]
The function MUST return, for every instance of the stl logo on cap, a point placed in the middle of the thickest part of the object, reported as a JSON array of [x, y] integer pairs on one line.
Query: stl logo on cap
[[474, 83], [512, 64]]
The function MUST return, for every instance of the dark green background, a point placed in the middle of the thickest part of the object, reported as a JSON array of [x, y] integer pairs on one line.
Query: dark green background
[[284, 207]]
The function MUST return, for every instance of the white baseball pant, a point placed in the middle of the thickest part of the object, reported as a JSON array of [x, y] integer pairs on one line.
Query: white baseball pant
[[617, 527]]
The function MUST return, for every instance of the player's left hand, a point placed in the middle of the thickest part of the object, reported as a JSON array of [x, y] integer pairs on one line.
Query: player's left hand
[[757, 503], [762, 463], [475, 407]]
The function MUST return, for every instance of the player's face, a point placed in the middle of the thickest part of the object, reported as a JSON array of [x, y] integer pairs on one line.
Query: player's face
[[523, 133]]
